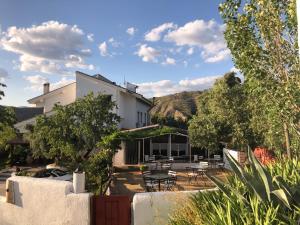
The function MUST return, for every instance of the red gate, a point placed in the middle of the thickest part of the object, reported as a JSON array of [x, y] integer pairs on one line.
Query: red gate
[[111, 210]]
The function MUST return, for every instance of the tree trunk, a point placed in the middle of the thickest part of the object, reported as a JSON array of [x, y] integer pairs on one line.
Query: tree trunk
[[287, 140]]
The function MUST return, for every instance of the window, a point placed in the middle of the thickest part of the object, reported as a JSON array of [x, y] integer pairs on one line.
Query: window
[[138, 117], [145, 118]]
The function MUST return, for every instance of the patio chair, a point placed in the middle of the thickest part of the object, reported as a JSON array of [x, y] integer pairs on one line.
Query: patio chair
[[195, 158], [166, 166], [203, 165], [221, 165], [150, 184], [191, 174], [200, 157], [171, 159], [217, 157], [173, 174], [152, 158], [169, 184], [153, 166], [147, 172]]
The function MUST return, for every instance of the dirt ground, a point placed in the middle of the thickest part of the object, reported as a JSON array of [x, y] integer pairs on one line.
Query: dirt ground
[[128, 181]]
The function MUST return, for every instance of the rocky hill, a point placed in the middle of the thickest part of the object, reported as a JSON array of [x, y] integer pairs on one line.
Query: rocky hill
[[179, 106]]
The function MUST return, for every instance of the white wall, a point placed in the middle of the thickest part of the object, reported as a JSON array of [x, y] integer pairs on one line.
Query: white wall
[[62, 96], [154, 208], [86, 84], [142, 107], [45, 202], [127, 110], [233, 153]]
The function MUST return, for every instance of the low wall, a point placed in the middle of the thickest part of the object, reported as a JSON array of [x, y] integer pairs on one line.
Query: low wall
[[43, 201], [154, 208], [239, 156]]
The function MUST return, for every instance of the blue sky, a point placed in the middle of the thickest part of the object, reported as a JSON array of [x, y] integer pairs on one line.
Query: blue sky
[[163, 46]]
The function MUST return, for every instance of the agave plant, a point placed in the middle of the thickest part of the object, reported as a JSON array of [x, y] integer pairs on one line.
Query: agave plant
[[260, 182]]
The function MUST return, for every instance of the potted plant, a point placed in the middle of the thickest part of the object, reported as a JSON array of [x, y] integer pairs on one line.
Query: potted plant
[[143, 168]]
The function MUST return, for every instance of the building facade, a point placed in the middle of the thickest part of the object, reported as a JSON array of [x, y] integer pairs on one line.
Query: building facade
[[132, 107]]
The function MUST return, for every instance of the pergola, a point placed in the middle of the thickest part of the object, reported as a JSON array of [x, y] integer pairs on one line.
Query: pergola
[[156, 131]]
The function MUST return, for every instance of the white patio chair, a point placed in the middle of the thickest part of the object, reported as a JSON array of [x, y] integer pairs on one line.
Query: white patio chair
[[173, 174], [195, 158], [217, 157], [152, 158], [169, 184], [191, 174], [166, 166], [200, 157], [150, 184]]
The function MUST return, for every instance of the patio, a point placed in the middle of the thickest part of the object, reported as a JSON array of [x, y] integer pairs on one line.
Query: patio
[[128, 180]]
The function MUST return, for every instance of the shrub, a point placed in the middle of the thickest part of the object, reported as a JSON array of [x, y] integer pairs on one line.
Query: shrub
[[98, 171], [143, 168], [254, 195]]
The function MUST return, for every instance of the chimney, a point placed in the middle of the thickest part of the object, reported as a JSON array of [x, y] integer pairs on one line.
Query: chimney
[[46, 88]]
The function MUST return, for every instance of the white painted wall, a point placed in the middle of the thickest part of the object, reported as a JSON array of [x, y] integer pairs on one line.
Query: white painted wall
[[62, 96], [142, 107], [127, 110], [233, 153], [86, 84], [45, 202], [154, 208]]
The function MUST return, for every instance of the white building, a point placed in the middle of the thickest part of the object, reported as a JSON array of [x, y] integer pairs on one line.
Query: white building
[[132, 107]]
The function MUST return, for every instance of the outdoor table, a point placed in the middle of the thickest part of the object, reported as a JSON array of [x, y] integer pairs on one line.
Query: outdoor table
[[159, 177], [198, 168]]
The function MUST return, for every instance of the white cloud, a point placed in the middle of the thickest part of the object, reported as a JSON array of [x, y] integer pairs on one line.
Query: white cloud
[[185, 63], [90, 37], [131, 31], [64, 81], [155, 33], [219, 56], [36, 83], [166, 87], [114, 43], [208, 36], [3, 74], [49, 44], [147, 53], [103, 49], [190, 51], [233, 69], [169, 61]]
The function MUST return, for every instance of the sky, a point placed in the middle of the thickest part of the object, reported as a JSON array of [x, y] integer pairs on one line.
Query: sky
[[164, 47]]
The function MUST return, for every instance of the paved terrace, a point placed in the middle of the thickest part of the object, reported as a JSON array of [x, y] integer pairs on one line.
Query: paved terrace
[[128, 181]]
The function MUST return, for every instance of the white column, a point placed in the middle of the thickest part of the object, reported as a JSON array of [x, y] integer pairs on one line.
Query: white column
[[169, 145], [151, 147], [143, 150]]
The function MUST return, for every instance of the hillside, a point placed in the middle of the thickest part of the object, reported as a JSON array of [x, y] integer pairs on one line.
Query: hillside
[[180, 105]]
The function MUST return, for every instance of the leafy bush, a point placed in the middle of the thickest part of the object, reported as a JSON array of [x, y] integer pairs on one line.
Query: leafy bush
[[98, 171], [143, 167], [254, 195]]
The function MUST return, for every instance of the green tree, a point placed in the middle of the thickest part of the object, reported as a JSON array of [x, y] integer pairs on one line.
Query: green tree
[[262, 37], [2, 92], [7, 131], [73, 131], [222, 116]]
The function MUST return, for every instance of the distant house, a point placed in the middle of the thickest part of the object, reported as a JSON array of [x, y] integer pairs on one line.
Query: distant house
[[132, 107]]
